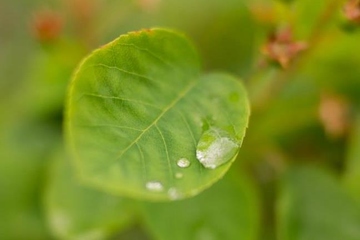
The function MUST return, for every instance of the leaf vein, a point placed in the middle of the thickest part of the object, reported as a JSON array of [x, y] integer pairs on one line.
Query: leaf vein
[[119, 98], [148, 52], [165, 110], [106, 108], [166, 150], [143, 163], [188, 127], [111, 126], [192, 135], [124, 71]]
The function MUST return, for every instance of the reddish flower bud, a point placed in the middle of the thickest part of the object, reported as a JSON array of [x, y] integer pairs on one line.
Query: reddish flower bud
[[148, 5], [282, 48], [334, 115], [46, 25], [352, 11]]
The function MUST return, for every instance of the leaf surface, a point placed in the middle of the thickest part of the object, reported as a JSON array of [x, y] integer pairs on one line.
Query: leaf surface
[[138, 105]]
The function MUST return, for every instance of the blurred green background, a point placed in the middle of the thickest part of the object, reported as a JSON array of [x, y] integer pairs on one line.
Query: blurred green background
[[298, 172]]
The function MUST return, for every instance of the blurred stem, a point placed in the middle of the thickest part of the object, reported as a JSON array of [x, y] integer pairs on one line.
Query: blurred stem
[[324, 19], [261, 98], [268, 81]]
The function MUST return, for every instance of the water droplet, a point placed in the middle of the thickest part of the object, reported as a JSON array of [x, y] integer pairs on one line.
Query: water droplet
[[183, 163], [92, 234], [174, 193], [204, 233], [178, 175], [60, 221], [216, 147], [154, 186]]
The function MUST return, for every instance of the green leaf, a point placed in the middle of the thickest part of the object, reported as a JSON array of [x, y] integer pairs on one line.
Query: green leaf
[[228, 210], [312, 205], [78, 212], [24, 145], [352, 171], [138, 105]]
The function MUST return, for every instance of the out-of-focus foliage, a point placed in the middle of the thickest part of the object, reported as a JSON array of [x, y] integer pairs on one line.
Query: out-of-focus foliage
[[24, 148], [77, 212], [305, 199], [228, 210], [352, 170], [305, 113]]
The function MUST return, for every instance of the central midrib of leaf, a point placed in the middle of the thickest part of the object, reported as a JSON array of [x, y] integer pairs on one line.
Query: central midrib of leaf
[[181, 95]]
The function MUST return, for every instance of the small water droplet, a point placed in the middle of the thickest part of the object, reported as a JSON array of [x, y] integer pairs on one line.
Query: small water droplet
[[178, 175], [199, 120], [174, 193], [60, 221], [183, 163], [204, 233], [92, 234], [216, 147], [154, 186]]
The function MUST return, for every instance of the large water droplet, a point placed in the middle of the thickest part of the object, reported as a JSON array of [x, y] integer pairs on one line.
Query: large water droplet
[[216, 147], [183, 163], [154, 186]]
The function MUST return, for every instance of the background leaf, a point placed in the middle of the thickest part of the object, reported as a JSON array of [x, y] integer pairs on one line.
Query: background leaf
[[78, 212], [138, 105], [352, 171], [47, 79], [312, 205], [24, 147], [229, 210], [337, 65]]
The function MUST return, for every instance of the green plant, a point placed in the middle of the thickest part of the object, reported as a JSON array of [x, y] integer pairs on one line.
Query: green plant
[[139, 113], [155, 121]]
